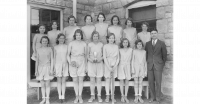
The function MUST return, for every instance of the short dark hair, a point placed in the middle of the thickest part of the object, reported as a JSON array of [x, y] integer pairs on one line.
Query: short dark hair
[[102, 15], [113, 18], [88, 16], [138, 41], [78, 31], [121, 43], [44, 37], [145, 23], [53, 22], [71, 16], [39, 25], [129, 19], [109, 35], [154, 29], [59, 35], [94, 32]]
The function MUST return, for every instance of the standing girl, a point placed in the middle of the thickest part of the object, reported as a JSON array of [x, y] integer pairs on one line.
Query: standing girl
[[69, 31], [88, 28], [77, 63], [44, 68], [139, 69], [60, 64], [111, 60], [144, 35], [53, 34], [95, 65], [101, 27], [130, 32], [124, 69], [36, 40], [116, 29]]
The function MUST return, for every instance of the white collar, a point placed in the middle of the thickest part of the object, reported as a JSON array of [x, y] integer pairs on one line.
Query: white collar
[[155, 41]]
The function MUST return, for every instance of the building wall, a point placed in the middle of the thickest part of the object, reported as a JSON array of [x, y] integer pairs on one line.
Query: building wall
[[164, 15]]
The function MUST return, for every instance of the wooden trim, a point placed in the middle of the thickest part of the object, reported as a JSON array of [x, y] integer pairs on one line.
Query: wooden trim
[[85, 84], [41, 5], [74, 8], [139, 3], [28, 43]]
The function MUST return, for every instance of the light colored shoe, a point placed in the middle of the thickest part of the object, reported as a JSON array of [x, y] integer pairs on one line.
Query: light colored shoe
[[99, 99], [136, 99], [122, 99], [140, 99], [76, 99], [80, 99], [126, 100], [47, 100], [43, 100], [107, 98], [91, 99]]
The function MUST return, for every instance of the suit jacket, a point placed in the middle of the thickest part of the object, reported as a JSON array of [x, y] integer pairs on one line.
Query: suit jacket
[[156, 56]]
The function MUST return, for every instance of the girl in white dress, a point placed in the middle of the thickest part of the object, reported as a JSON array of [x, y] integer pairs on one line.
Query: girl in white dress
[[69, 30], [77, 63], [102, 27], [139, 69], [44, 68], [116, 29], [111, 60], [88, 28], [124, 69], [145, 36], [95, 65], [36, 40], [130, 32], [61, 64], [53, 34]]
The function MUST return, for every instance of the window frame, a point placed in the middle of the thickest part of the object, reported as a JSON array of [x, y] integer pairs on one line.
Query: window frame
[[29, 7]]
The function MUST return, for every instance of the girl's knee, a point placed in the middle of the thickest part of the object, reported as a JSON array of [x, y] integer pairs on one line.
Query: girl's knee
[[75, 79]]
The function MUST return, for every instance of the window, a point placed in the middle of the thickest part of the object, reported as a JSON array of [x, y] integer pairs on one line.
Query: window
[[142, 14], [38, 14]]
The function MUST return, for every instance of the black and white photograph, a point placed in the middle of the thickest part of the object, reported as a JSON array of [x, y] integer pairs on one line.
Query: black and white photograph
[[100, 51]]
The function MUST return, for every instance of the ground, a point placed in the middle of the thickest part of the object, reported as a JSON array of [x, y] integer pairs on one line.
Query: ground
[[70, 96]]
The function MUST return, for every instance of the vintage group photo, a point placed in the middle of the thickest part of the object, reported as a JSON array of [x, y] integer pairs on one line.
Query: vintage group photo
[[100, 51]]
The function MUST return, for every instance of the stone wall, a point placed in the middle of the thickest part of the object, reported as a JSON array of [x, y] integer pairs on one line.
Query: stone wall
[[110, 8], [164, 15]]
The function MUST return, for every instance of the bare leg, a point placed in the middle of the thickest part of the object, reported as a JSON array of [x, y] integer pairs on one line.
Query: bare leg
[[126, 87], [140, 89], [43, 91], [136, 89], [122, 87], [59, 87], [107, 89], [47, 91], [80, 89], [63, 87], [92, 87], [99, 89], [75, 80]]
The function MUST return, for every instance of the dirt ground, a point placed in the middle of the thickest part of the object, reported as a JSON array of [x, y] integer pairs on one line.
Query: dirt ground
[[70, 96]]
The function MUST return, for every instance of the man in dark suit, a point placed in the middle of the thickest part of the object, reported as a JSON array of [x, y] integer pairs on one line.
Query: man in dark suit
[[156, 58]]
